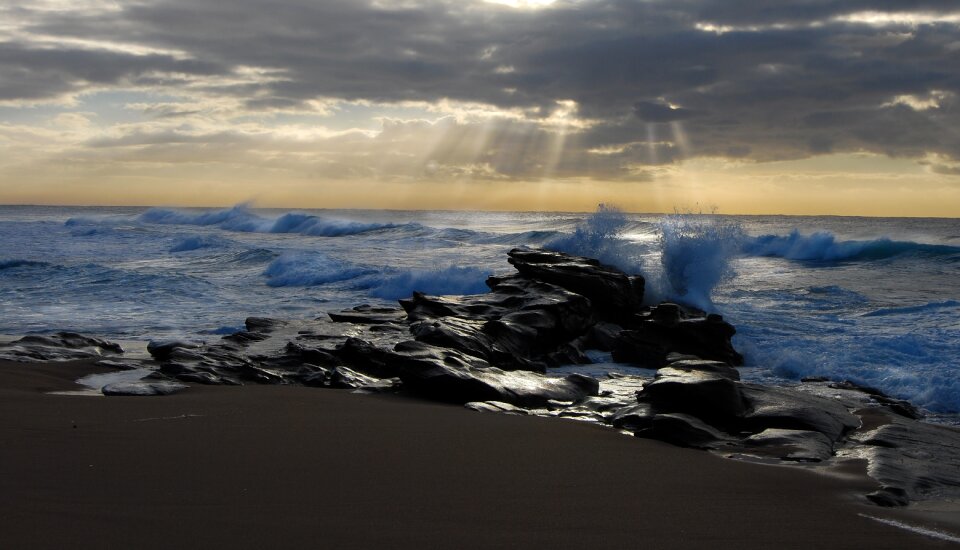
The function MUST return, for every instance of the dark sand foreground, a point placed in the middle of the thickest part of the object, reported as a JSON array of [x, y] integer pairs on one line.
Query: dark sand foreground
[[294, 467]]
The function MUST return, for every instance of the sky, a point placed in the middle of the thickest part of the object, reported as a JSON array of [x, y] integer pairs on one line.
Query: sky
[[846, 107]]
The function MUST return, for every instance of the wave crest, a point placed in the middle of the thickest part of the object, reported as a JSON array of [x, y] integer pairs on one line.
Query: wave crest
[[295, 269], [824, 246], [240, 218]]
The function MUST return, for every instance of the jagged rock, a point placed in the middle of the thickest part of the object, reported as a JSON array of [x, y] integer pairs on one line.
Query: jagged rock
[[633, 418], [666, 329], [683, 430], [369, 315], [889, 497], [143, 388], [701, 365], [368, 359], [60, 346], [344, 378], [120, 365], [519, 324], [314, 376], [711, 397], [898, 406], [200, 374], [914, 459], [773, 407], [448, 375], [497, 407], [603, 336], [610, 290], [164, 350], [256, 329], [795, 445]]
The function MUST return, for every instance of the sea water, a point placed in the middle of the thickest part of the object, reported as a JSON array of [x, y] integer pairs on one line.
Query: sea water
[[873, 300]]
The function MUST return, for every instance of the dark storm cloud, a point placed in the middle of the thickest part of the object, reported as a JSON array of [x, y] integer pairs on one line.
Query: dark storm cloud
[[36, 74], [772, 80]]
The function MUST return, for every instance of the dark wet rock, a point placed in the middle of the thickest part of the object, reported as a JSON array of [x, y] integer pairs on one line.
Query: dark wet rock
[[603, 404], [711, 397], [497, 407], [369, 315], [60, 346], [345, 378], [120, 365], [794, 445], [256, 329], [295, 353], [633, 418], [143, 388], [449, 375], [683, 430], [898, 406], [317, 377], [206, 378], [668, 329], [164, 350], [368, 359], [603, 336], [850, 385], [915, 459], [901, 407], [673, 357], [612, 293], [200, 374], [772, 407], [519, 324], [889, 497], [467, 336], [702, 365]]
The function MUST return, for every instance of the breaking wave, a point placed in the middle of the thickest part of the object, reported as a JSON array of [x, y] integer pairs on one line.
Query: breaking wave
[[600, 236], [310, 269], [824, 246], [240, 218], [314, 269]]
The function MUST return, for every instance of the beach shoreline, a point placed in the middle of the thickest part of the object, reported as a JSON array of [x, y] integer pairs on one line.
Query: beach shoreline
[[251, 466]]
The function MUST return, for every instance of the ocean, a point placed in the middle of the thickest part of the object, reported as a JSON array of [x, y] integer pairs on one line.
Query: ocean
[[872, 300]]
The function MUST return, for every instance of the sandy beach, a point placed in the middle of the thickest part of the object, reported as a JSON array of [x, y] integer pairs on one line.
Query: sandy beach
[[295, 467]]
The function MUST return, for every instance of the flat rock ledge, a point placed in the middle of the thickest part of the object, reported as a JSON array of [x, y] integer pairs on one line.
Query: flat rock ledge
[[496, 352]]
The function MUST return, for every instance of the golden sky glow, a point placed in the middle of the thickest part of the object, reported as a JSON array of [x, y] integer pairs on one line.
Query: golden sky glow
[[482, 104]]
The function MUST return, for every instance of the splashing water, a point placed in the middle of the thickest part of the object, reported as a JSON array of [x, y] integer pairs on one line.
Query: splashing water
[[696, 253], [600, 236]]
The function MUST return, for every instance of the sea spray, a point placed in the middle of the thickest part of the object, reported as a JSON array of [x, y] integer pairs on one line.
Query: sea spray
[[600, 236], [696, 253]]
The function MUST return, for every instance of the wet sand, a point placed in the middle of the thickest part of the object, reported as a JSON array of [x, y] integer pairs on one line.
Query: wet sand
[[295, 467]]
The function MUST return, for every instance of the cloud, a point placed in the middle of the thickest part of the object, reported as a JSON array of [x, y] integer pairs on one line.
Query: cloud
[[578, 88]]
